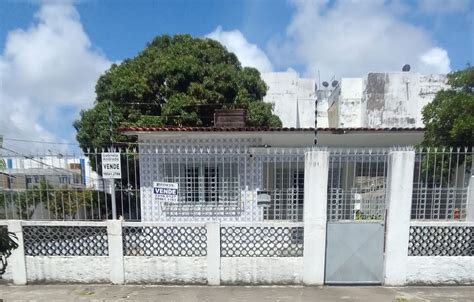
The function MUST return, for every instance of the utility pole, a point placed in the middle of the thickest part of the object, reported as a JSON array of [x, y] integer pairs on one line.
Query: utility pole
[[112, 181], [3, 166], [316, 114]]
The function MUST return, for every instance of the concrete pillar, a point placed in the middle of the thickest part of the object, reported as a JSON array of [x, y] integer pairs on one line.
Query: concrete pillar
[[398, 204], [470, 200], [114, 235], [213, 253], [17, 258], [315, 216]]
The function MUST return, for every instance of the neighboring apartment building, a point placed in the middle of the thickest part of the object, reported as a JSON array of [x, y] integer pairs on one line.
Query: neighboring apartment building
[[379, 100], [383, 99], [58, 171], [294, 99]]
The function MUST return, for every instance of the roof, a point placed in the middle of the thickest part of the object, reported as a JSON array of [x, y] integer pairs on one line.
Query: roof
[[261, 129]]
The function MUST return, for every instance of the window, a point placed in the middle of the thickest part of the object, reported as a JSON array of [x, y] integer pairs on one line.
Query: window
[[205, 183], [285, 183], [64, 179]]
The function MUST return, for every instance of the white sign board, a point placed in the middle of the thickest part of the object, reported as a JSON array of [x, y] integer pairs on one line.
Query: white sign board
[[165, 191], [111, 165]]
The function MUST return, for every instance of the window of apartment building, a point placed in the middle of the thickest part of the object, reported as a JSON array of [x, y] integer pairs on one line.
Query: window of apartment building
[[64, 179]]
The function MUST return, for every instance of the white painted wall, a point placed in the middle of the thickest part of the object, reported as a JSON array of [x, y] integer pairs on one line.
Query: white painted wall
[[8, 276], [404, 94], [349, 103], [166, 270], [440, 270], [383, 99], [74, 269], [261, 270], [294, 99]]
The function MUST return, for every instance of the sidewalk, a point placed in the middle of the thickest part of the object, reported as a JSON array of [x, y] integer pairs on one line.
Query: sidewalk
[[231, 293]]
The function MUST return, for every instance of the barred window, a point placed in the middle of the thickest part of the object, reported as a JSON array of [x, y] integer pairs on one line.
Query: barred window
[[204, 182]]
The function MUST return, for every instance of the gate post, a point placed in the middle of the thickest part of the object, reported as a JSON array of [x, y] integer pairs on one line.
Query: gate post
[[470, 200], [398, 204], [17, 258], [213, 253], [115, 243], [315, 216]]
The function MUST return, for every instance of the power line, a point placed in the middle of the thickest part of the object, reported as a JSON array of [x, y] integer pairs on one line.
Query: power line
[[40, 142], [33, 159]]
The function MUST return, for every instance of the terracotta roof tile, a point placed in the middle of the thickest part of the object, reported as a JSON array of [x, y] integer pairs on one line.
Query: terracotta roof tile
[[255, 129]]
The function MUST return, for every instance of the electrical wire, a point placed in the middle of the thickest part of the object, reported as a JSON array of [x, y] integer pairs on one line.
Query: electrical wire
[[40, 142], [35, 160]]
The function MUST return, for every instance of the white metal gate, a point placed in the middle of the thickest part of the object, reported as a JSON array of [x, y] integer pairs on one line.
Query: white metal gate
[[354, 253], [356, 212]]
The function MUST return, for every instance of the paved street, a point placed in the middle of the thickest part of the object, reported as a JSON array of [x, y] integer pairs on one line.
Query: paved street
[[231, 293]]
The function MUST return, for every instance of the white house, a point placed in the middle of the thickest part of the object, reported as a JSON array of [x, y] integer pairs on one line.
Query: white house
[[251, 174]]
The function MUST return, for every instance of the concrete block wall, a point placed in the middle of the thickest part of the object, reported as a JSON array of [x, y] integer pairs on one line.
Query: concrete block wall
[[449, 269]]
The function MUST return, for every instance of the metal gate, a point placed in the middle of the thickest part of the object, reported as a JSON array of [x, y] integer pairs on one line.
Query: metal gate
[[356, 212], [354, 253]]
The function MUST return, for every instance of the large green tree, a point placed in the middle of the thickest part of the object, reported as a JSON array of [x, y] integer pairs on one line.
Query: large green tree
[[175, 80], [449, 119]]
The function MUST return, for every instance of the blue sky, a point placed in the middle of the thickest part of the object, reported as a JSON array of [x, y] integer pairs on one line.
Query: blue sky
[[53, 51]]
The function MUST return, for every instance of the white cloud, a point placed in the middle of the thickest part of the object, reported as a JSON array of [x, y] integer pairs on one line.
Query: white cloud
[[437, 59], [249, 54], [49, 67], [351, 38]]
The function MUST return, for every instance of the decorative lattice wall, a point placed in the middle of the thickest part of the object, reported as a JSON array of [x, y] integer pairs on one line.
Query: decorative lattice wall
[[261, 241], [65, 241], [165, 241], [441, 241]]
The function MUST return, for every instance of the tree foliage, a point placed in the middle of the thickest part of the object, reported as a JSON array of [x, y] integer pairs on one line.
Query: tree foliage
[[449, 119], [175, 80]]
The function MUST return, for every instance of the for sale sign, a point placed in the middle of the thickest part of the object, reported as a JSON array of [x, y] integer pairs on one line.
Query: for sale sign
[[165, 191], [111, 167]]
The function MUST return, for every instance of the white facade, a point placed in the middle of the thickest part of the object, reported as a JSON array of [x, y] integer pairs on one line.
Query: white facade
[[294, 99], [383, 100], [378, 100], [346, 99]]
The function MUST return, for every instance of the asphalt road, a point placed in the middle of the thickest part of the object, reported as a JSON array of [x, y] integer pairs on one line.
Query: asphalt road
[[232, 293]]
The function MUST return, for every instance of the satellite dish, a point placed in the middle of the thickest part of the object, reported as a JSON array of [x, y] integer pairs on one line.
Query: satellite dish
[[334, 83], [406, 68], [325, 84]]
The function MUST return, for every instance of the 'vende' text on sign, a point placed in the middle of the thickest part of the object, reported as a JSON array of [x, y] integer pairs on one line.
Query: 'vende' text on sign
[[165, 191], [111, 165]]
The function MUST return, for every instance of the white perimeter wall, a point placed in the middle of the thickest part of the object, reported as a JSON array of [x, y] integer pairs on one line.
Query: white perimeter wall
[[74, 269], [261, 270], [171, 270], [8, 273], [440, 270]]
